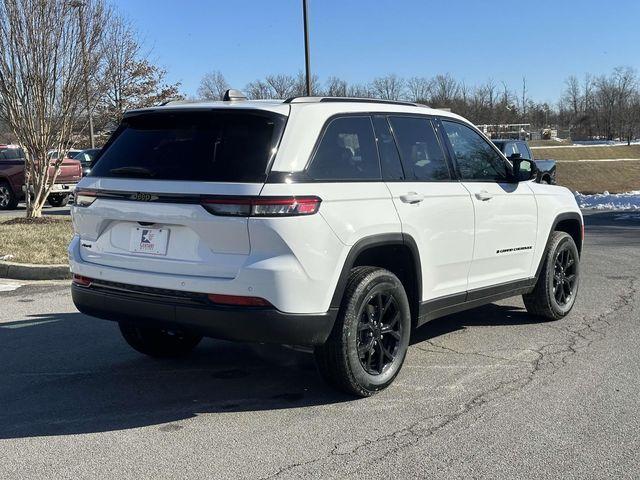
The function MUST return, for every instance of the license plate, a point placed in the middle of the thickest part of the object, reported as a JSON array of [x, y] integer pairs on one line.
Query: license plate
[[152, 241]]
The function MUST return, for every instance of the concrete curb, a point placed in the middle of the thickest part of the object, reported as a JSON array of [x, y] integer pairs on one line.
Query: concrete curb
[[30, 271]]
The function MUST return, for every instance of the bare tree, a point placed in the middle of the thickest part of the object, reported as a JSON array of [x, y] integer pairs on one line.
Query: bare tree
[[418, 89], [258, 89], [389, 87], [300, 86], [336, 87], [282, 86], [359, 91], [130, 80], [40, 88], [444, 90], [572, 95], [523, 104], [212, 86]]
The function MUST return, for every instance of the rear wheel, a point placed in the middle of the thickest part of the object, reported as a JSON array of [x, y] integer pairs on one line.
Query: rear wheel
[[58, 200], [158, 342], [8, 200], [369, 340], [555, 292]]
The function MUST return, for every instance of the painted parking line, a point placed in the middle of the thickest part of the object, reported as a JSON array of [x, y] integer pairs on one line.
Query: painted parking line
[[28, 324], [9, 286]]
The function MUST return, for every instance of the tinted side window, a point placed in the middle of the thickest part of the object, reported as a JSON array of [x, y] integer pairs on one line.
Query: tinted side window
[[509, 149], [524, 151], [421, 154], [476, 159], [389, 157], [347, 151]]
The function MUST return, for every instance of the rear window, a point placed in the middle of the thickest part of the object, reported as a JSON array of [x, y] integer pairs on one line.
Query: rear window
[[210, 146], [11, 154]]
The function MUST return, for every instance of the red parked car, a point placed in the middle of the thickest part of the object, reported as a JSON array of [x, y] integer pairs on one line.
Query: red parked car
[[12, 188]]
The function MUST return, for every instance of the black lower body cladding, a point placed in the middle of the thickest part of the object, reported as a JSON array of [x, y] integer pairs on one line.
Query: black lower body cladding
[[245, 324]]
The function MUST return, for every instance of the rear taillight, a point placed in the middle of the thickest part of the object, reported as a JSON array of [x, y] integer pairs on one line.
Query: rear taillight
[[261, 206], [238, 300], [82, 281], [84, 198]]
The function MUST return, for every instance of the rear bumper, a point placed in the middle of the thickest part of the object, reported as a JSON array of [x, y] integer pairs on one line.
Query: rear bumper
[[246, 324], [67, 187], [63, 187]]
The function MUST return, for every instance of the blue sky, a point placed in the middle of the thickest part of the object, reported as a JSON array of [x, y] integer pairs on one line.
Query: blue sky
[[545, 41]]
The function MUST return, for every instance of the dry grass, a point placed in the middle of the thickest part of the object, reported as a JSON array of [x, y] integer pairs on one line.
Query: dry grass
[[596, 177], [588, 153], [43, 241]]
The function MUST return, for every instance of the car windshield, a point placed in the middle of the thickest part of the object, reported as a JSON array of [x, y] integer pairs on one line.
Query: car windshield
[[213, 146]]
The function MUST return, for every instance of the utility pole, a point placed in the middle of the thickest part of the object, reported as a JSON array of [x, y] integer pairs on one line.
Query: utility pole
[[306, 46], [85, 67]]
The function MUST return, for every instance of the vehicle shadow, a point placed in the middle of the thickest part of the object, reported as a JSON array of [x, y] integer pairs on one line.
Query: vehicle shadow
[[67, 373], [487, 315]]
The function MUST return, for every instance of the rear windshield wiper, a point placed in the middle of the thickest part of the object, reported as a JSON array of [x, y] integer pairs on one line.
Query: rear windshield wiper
[[138, 171]]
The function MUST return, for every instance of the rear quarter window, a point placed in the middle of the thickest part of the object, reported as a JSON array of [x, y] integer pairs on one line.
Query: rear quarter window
[[347, 151], [207, 146]]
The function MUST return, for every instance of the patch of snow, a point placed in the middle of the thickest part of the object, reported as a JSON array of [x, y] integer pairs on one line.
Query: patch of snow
[[610, 201], [9, 285]]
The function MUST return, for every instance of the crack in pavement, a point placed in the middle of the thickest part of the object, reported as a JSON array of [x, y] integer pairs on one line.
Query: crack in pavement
[[580, 333]]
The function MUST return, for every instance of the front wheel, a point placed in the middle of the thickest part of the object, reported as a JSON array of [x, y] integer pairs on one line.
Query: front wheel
[[555, 292], [369, 340], [58, 200], [158, 342], [8, 200]]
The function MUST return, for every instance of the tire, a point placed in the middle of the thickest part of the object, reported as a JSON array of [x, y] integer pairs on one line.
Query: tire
[[58, 200], [159, 343], [561, 268], [8, 199], [359, 328]]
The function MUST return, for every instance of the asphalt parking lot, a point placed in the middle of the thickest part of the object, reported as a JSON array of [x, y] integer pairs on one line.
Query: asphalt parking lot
[[491, 393]]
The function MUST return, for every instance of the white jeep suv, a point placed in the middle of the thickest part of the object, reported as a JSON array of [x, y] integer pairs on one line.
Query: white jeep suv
[[335, 223]]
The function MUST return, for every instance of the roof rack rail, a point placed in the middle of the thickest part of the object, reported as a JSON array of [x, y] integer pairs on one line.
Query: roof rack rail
[[176, 101], [304, 99]]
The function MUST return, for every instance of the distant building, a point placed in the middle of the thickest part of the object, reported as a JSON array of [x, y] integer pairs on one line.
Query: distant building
[[520, 131]]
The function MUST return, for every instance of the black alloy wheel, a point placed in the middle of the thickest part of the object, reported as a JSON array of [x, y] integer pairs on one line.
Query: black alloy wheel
[[565, 275], [379, 332]]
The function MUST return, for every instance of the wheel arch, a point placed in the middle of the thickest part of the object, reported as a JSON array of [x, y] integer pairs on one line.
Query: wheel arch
[[395, 252], [571, 223]]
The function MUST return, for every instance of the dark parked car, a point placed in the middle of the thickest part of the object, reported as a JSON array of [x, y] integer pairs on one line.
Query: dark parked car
[[546, 168], [86, 158]]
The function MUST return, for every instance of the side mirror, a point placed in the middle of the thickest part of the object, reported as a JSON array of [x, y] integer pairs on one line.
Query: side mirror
[[523, 169]]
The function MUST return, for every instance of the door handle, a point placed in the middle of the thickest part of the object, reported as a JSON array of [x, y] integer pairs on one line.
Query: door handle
[[412, 197], [483, 195]]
